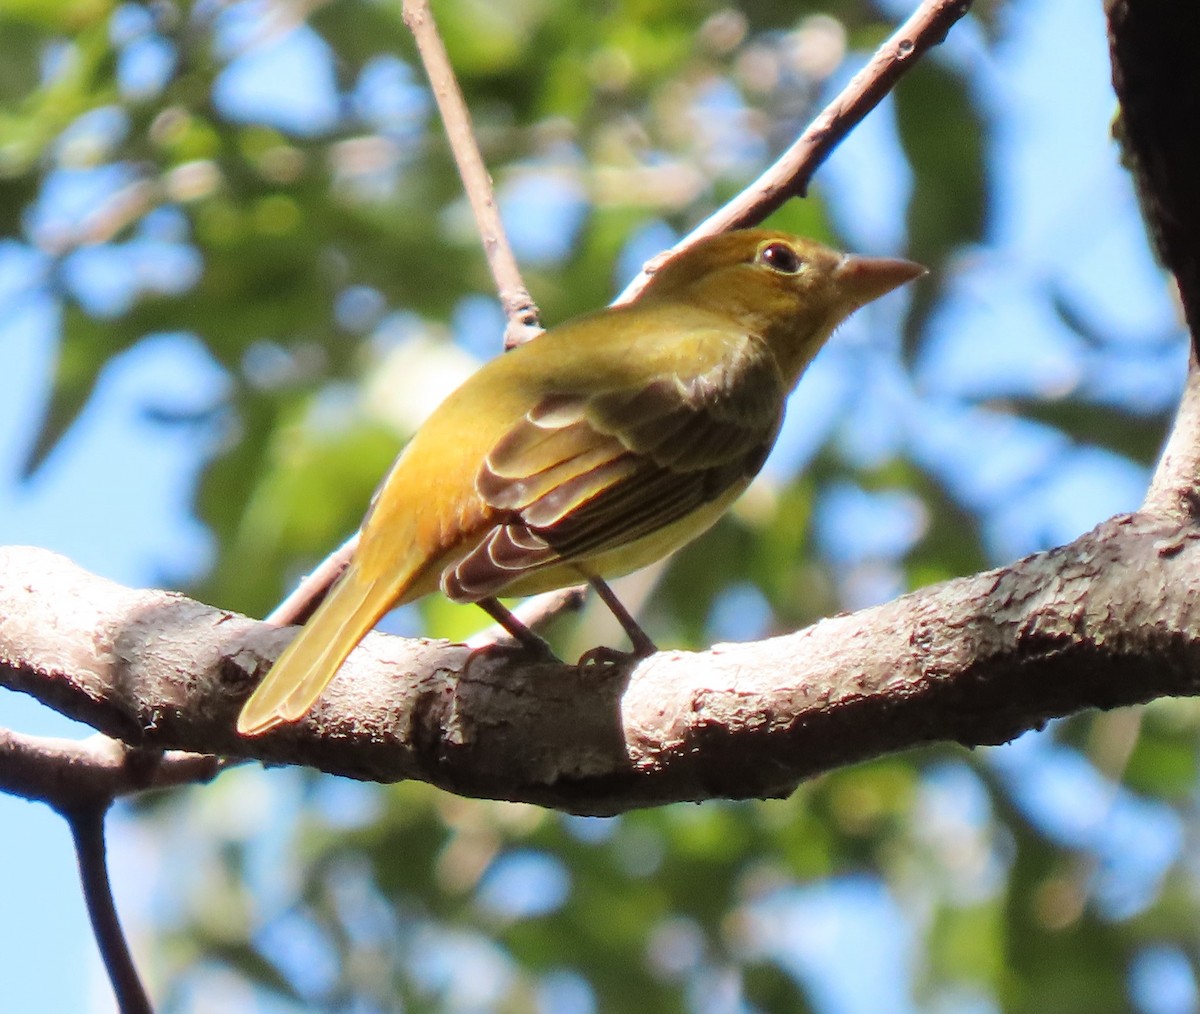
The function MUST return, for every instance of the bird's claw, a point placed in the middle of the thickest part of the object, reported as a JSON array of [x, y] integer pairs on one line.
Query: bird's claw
[[606, 656]]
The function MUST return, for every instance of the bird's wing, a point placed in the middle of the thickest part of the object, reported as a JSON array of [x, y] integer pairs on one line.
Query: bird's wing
[[580, 475]]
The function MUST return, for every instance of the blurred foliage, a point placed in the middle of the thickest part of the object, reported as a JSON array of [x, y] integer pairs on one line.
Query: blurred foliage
[[322, 265]]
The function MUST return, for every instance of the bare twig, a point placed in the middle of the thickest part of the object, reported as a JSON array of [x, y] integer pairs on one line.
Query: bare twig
[[790, 175], [80, 779], [535, 613], [68, 773], [519, 308], [87, 828], [310, 592], [1173, 488]]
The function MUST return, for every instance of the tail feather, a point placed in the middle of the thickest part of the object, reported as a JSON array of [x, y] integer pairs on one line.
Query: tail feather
[[354, 605]]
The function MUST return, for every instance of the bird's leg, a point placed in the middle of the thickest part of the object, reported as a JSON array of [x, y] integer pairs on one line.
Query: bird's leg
[[642, 645], [526, 638]]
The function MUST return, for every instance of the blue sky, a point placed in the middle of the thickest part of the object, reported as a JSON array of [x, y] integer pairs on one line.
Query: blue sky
[[114, 496]]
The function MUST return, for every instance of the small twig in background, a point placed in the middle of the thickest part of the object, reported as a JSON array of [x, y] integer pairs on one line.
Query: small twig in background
[[789, 176], [311, 591], [535, 613], [79, 780], [87, 828], [519, 307]]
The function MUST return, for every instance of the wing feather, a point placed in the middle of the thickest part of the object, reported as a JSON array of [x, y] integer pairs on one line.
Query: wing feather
[[581, 475], [577, 490], [531, 463]]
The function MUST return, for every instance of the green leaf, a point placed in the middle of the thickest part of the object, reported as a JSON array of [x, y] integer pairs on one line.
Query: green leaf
[[943, 137]]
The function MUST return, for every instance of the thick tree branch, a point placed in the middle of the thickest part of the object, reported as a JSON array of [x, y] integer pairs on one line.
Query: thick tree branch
[[1111, 619], [1153, 45]]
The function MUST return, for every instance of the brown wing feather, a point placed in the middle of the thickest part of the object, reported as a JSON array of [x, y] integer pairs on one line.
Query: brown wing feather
[[712, 418], [532, 462], [508, 550], [580, 476]]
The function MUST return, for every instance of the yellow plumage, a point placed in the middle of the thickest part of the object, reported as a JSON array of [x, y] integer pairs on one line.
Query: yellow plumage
[[597, 448]]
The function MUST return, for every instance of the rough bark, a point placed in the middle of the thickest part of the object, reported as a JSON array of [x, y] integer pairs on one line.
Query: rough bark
[[1104, 621], [1154, 45], [1111, 619]]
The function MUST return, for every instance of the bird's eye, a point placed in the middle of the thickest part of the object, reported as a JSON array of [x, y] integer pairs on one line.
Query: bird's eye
[[782, 258]]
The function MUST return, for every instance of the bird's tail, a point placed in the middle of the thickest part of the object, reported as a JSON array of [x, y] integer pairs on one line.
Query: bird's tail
[[353, 606]]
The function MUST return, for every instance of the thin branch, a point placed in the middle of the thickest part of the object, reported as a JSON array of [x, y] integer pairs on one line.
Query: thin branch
[[535, 613], [79, 779], [519, 307], [790, 175], [87, 829], [1173, 489], [68, 773], [312, 589]]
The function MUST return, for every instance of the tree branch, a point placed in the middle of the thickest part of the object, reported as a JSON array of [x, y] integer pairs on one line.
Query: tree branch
[[80, 779], [1111, 619], [1172, 491], [1153, 47], [87, 829], [519, 307], [520, 310], [313, 587], [790, 175], [69, 773]]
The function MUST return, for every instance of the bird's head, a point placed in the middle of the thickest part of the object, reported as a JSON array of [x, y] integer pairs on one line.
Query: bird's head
[[790, 291]]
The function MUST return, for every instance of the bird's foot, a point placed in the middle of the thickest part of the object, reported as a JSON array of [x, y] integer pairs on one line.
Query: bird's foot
[[608, 657]]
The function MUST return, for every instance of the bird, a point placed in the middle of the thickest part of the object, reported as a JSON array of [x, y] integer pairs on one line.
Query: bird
[[595, 449]]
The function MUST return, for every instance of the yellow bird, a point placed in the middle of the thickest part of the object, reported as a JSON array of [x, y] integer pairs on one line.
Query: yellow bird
[[597, 448]]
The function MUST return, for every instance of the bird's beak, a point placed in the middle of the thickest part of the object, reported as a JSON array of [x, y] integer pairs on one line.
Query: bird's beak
[[863, 279]]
